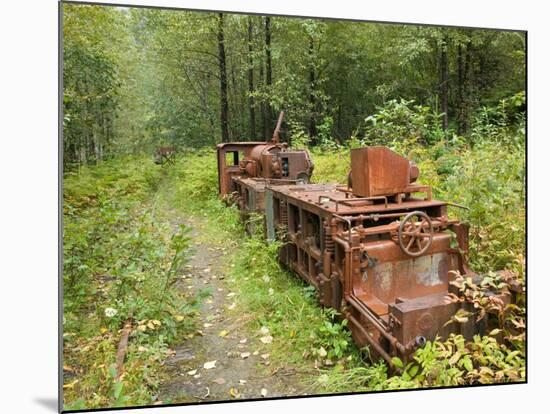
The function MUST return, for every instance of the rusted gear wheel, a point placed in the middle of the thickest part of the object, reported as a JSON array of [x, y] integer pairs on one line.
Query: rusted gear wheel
[[415, 233]]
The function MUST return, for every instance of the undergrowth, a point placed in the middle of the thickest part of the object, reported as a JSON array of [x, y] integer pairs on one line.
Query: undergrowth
[[121, 257]]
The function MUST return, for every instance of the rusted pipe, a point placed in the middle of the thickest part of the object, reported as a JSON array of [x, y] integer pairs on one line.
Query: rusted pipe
[[378, 348], [349, 225], [343, 243], [275, 137]]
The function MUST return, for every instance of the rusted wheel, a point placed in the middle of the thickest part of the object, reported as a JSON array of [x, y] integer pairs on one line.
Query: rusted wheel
[[415, 233]]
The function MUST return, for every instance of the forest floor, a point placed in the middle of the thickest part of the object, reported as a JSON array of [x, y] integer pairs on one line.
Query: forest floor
[[223, 360]]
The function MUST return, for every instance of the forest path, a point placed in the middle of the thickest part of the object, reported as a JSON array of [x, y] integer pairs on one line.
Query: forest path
[[242, 365]]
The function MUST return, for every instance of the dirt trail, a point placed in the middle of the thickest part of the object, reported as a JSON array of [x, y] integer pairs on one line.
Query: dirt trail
[[242, 362]]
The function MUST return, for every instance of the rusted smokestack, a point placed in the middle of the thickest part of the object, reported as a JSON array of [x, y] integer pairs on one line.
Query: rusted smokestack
[[275, 138]]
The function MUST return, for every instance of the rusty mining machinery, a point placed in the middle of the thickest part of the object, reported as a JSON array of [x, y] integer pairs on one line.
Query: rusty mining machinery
[[380, 250], [246, 168]]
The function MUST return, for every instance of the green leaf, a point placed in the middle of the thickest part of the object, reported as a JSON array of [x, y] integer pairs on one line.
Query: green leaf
[[118, 389], [467, 363], [454, 359], [112, 370], [397, 362], [413, 370]]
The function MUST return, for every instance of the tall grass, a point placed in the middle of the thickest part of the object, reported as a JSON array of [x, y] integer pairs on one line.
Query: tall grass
[[121, 256]]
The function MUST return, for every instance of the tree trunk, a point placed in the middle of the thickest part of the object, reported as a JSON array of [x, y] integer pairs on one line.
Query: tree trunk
[[312, 131], [464, 87], [224, 115], [95, 143], [268, 76], [460, 88], [468, 86], [444, 85], [265, 128], [251, 108], [236, 101]]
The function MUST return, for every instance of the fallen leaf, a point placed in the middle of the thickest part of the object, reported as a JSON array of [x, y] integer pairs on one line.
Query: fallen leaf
[[242, 382], [179, 318], [219, 381], [263, 392], [70, 385], [322, 352], [264, 330], [142, 349], [207, 325], [210, 364], [232, 306], [243, 341], [193, 372], [255, 352], [223, 333], [265, 356], [230, 294], [197, 376], [234, 392], [245, 355], [266, 339]]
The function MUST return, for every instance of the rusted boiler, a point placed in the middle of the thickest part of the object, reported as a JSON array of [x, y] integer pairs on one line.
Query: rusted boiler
[[246, 168], [379, 249]]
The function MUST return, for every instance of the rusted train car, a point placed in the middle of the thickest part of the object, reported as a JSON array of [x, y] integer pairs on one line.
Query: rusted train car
[[380, 249], [245, 169]]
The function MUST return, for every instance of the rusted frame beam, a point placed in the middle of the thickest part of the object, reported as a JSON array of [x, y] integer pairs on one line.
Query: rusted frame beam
[[349, 201]]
